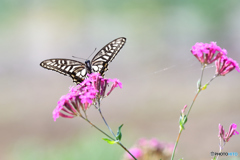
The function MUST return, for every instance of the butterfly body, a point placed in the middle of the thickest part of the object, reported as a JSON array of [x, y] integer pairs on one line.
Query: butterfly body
[[88, 66], [78, 70]]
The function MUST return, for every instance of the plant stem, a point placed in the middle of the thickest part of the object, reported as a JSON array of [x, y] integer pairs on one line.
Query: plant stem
[[201, 77], [180, 131], [193, 102], [220, 147], [212, 79], [98, 129], [114, 139], [198, 91], [104, 119], [119, 143]]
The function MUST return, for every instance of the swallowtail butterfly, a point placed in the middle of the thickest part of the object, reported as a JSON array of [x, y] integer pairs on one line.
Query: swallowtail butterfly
[[78, 70]]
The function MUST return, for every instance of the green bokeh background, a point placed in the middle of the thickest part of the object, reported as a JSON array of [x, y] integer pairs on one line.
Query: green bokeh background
[[158, 73]]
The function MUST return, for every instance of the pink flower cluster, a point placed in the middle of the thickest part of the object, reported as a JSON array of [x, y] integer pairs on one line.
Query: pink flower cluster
[[208, 53], [150, 149], [226, 136], [82, 96], [225, 65]]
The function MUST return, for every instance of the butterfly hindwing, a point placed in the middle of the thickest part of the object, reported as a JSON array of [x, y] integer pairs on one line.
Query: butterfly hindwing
[[78, 70], [68, 67]]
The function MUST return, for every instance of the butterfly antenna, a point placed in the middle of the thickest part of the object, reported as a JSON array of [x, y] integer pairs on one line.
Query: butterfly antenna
[[92, 53], [79, 58]]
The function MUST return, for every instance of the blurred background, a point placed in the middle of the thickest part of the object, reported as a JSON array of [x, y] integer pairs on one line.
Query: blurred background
[[158, 72]]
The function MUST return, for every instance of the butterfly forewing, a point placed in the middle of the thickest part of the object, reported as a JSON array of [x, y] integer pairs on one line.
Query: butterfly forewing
[[68, 67], [101, 60], [78, 70]]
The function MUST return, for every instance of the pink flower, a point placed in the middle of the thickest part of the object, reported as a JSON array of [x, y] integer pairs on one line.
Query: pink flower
[[82, 96], [116, 83], [207, 53], [151, 149], [89, 95], [56, 112], [225, 65], [142, 142], [136, 152], [156, 145], [104, 84], [226, 136]]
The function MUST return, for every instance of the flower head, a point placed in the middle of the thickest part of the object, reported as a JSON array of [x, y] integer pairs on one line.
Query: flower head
[[82, 96], [226, 136], [136, 152], [225, 65], [207, 53], [150, 149]]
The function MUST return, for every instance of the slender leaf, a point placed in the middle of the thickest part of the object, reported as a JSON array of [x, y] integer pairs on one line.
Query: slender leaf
[[109, 141], [119, 133]]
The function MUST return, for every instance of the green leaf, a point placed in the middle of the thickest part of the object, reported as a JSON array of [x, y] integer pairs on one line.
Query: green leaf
[[181, 125], [109, 141], [182, 121], [119, 133], [185, 119]]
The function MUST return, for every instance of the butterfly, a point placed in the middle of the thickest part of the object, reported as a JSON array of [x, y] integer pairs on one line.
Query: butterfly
[[78, 70]]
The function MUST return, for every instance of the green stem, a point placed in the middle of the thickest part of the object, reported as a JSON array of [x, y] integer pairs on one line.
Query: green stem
[[220, 147], [104, 119], [179, 134], [198, 91], [193, 102], [98, 129], [180, 131], [119, 143], [215, 76], [203, 67]]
